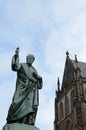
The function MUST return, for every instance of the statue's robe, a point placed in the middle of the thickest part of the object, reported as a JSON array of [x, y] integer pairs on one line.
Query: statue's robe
[[25, 99]]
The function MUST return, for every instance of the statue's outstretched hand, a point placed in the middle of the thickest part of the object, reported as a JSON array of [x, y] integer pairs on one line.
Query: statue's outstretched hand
[[17, 51]]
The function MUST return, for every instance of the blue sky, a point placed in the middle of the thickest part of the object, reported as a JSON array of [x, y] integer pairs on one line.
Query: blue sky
[[47, 29]]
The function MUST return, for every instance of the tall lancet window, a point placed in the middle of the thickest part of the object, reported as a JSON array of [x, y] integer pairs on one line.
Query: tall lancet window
[[67, 108], [72, 99], [61, 110]]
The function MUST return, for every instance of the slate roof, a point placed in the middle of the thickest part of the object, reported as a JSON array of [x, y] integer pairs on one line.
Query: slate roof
[[82, 66]]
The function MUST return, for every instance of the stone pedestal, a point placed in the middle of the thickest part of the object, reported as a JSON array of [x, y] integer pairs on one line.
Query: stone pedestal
[[17, 126]]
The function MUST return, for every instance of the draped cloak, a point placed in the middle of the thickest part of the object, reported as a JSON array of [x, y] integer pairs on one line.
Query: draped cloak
[[26, 97]]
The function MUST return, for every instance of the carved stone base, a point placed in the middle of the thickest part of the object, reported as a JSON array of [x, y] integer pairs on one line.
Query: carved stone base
[[17, 126]]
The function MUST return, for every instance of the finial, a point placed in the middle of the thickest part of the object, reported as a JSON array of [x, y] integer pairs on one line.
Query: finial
[[67, 53], [76, 58], [58, 84]]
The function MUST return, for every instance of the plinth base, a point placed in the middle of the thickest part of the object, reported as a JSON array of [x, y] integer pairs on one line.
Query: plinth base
[[17, 126]]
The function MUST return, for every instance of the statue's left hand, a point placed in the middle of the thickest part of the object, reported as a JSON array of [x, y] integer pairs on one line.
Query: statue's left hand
[[36, 75]]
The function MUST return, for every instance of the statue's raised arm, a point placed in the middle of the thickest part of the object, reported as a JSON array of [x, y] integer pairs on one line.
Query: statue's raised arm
[[15, 65]]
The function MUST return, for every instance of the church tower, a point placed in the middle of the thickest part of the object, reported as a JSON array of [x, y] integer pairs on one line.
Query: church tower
[[70, 100]]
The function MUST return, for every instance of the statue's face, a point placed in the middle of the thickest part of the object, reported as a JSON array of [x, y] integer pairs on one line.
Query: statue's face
[[30, 59]]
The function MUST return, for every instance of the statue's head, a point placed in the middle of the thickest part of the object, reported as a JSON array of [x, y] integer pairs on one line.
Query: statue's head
[[30, 58]]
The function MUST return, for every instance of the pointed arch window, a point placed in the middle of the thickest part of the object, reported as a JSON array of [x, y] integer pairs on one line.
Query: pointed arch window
[[61, 110], [72, 99], [67, 108]]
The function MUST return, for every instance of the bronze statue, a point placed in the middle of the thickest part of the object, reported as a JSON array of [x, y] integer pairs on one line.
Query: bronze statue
[[26, 98]]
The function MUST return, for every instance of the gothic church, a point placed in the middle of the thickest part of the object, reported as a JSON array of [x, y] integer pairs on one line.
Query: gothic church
[[70, 100]]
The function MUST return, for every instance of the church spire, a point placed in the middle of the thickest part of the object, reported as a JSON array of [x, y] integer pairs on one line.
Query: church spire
[[58, 84], [67, 54]]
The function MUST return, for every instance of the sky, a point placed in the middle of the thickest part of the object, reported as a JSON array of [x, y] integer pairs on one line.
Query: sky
[[47, 29]]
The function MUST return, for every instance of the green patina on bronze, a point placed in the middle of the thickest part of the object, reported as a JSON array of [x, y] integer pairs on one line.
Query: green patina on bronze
[[26, 98]]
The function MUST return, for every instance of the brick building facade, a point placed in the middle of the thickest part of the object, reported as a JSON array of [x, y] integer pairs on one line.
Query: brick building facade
[[70, 100]]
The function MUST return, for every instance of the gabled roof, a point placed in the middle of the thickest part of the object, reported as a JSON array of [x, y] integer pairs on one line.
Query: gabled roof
[[70, 67], [73, 70]]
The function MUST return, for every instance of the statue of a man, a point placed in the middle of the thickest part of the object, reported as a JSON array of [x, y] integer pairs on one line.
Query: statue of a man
[[26, 98]]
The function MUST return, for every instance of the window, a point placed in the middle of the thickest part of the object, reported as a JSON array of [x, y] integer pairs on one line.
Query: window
[[61, 110], [67, 108], [72, 99]]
